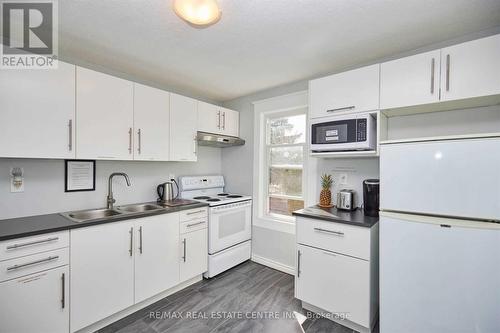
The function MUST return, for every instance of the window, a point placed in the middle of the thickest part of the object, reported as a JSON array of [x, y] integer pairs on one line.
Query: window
[[285, 147]]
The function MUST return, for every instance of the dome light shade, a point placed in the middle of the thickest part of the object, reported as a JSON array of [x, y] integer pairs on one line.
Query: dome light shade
[[198, 12]]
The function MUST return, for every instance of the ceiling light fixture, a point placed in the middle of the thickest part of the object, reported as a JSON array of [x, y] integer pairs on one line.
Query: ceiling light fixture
[[200, 13]]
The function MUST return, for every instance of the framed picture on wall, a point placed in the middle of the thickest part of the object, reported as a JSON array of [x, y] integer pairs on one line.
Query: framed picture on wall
[[79, 175]]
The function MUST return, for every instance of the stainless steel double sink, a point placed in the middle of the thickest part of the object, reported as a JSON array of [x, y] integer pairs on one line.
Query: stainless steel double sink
[[104, 213]]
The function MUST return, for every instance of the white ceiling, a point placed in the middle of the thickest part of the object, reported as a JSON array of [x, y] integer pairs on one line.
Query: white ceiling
[[257, 44]]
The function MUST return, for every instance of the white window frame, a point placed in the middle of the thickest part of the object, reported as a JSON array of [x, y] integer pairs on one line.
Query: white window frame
[[295, 102], [276, 115]]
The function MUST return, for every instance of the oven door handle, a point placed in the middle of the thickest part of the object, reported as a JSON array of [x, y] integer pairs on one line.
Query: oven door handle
[[221, 209]]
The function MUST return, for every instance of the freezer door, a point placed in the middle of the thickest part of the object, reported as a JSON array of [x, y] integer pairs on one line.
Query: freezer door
[[459, 178], [438, 275]]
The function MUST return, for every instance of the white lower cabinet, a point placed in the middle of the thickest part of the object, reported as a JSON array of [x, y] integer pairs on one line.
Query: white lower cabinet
[[335, 282], [102, 272], [156, 255], [194, 252]]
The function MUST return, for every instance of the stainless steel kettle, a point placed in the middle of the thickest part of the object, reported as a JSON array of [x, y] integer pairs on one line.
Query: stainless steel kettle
[[166, 191]]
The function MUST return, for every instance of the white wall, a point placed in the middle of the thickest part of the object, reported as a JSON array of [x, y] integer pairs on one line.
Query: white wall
[[44, 183]]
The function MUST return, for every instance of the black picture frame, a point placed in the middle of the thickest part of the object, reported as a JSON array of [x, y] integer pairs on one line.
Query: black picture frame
[[66, 164]]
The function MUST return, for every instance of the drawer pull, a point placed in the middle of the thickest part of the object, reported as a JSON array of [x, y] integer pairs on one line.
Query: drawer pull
[[11, 268], [15, 246], [193, 224], [342, 109], [337, 233], [195, 212]]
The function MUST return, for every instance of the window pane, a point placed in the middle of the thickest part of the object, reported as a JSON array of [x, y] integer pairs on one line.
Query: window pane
[[284, 206], [286, 156], [287, 129], [285, 181]]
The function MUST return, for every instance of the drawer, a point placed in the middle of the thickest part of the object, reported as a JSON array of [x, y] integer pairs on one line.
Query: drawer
[[193, 214], [337, 237], [25, 246], [193, 225], [14, 268]]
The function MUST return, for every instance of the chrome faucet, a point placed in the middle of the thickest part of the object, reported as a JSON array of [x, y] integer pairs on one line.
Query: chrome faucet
[[110, 199]]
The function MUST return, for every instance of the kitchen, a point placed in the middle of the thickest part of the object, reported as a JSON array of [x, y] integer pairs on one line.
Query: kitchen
[[289, 183]]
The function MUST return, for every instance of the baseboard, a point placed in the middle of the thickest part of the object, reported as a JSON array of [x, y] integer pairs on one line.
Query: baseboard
[[273, 264]]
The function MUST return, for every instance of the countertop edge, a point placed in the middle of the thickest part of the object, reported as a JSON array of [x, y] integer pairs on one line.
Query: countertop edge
[[371, 221]]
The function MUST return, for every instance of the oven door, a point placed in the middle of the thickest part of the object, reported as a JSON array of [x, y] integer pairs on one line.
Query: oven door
[[229, 225], [341, 133]]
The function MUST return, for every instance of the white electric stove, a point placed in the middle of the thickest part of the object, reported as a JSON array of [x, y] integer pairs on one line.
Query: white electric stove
[[229, 221]]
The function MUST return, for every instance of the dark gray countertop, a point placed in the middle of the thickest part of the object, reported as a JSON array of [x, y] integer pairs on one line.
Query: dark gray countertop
[[41, 224], [356, 217]]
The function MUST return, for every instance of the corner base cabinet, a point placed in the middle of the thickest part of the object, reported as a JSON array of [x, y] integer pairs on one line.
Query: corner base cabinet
[[337, 274]]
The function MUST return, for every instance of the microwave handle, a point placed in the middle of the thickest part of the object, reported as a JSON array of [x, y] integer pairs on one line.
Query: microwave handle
[[351, 107]]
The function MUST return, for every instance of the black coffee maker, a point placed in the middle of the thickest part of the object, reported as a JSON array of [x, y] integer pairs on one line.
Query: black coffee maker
[[371, 190]]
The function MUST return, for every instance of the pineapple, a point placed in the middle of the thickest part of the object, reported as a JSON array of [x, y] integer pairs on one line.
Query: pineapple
[[325, 197]]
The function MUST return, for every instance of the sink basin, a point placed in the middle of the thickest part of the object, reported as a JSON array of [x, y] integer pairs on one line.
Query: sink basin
[[92, 214], [138, 208]]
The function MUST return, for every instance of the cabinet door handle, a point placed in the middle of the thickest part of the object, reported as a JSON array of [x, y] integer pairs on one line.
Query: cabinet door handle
[[184, 245], [342, 109], [447, 72], [194, 144], [218, 121], [298, 263], [70, 130], [130, 140], [63, 285], [130, 249], [15, 246], [139, 141], [224, 120], [11, 268], [193, 224], [433, 65], [338, 233], [140, 239]]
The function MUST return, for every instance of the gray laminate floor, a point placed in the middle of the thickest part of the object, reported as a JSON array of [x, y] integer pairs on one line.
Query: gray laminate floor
[[225, 304]]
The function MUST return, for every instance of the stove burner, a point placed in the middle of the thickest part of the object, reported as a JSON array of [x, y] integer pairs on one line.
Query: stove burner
[[234, 196], [222, 194], [201, 198], [213, 199]]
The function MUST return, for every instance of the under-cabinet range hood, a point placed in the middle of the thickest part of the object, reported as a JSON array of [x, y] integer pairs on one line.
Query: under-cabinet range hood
[[218, 140]]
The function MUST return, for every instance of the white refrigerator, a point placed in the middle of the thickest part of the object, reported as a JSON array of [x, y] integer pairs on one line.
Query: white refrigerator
[[440, 236]]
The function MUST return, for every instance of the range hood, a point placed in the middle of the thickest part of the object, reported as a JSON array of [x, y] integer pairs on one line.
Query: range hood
[[218, 140]]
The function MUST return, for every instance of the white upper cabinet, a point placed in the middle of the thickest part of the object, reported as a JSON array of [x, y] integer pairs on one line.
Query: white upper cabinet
[[104, 116], [37, 112], [410, 81], [230, 122], [219, 120], [209, 118], [183, 128], [156, 255], [151, 123], [355, 90], [471, 69]]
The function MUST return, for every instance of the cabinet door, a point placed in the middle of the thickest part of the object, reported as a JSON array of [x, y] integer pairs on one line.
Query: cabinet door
[[209, 118], [183, 127], [334, 282], [194, 254], [36, 303], [471, 69], [37, 116], [151, 123], [356, 90], [230, 122], [102, 272], [156, 255], [410, 81], [104, 116]]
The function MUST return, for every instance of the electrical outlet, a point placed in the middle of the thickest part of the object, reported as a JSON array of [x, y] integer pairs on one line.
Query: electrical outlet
[[343, 179], [171, 176], [16, 180]]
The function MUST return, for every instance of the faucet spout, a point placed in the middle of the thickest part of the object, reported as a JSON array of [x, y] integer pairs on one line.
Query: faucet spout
[[110, 200]]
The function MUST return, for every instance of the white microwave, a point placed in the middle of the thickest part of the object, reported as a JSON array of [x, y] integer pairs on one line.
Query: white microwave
[[344, 133]]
